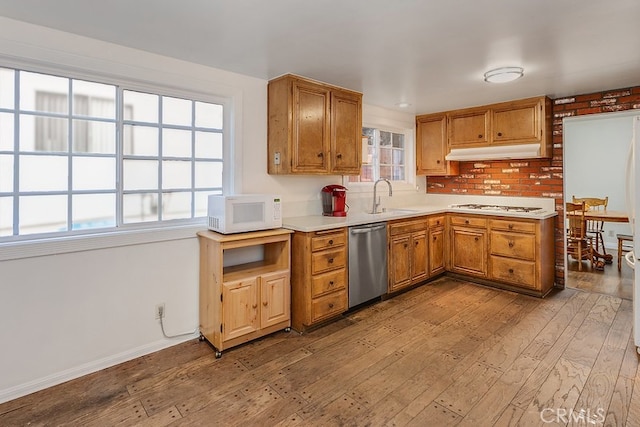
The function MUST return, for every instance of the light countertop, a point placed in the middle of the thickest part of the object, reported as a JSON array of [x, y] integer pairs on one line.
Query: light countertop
[[318, 222]]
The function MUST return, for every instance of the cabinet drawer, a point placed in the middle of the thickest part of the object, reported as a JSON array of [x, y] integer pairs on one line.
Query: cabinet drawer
[[327, 241], [328, 282], [328, 305], [516, 272], [469, 221], [519, 226], [402, 227], [514, 245], [328, 260], [436, 221]]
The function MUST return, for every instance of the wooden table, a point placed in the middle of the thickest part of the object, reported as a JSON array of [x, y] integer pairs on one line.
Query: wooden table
[[607, 216]]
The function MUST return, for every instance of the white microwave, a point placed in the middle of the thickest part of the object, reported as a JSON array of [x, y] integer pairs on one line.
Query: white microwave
[[244, 212]]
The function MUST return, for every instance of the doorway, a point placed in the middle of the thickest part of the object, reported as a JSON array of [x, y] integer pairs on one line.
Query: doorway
[[596, 149]]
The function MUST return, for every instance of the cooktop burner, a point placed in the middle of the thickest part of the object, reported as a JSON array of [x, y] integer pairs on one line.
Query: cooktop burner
[[497, 208]]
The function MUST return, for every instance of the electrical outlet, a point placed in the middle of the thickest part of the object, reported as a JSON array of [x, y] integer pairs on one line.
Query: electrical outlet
[[160, 311]]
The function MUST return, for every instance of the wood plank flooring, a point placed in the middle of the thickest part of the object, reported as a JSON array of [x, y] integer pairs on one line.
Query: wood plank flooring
[[609, 282], [447, 353]]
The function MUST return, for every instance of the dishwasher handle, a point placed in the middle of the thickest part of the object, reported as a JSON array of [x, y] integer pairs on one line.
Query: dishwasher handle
[[362, 230]]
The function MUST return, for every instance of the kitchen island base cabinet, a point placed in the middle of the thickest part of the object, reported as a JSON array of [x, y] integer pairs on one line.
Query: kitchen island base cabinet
[[242, 302], [319, 277]]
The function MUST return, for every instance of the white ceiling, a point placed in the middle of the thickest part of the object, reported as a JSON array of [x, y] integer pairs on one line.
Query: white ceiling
[[430, 53]]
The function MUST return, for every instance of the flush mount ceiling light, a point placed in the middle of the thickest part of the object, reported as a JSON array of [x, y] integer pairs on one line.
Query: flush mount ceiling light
[[403, 105], [503, 74]]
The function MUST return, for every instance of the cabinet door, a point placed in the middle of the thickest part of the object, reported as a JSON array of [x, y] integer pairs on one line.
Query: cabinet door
[[346, 133], [517, 124], [399, 262], [468, 128], [275, 299], [419, 266], [239, 308], [431, 147], [311, 132], [436, 251], [469, 251]]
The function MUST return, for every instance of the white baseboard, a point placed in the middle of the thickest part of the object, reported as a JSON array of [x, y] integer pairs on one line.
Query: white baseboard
[[87, 368]]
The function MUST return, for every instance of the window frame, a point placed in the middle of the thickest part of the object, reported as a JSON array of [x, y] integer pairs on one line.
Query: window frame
[[24, 246], [409, 183]]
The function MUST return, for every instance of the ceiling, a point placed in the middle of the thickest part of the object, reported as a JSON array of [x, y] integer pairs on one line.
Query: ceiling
[[429, 53]]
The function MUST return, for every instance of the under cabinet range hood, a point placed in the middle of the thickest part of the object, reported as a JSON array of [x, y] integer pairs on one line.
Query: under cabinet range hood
[[495, 152]]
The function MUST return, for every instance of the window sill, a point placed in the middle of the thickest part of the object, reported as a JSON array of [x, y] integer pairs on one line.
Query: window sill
[[89, 242]]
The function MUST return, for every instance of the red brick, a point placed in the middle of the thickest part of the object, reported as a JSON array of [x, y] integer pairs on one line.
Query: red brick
[[617, 93]]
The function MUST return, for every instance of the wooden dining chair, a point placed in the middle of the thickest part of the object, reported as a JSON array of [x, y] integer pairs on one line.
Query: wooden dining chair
[[579, 244], [595, 229]]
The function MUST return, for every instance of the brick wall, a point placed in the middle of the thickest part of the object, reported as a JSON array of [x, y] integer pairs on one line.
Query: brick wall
[[536, 178]]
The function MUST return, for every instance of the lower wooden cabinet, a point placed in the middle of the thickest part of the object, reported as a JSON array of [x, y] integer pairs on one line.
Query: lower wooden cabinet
[[522, 253], [242, 302], [468, 245], [319, 277], [408, 253]]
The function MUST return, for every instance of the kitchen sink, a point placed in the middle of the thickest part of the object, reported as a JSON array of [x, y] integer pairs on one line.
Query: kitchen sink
[[392, 211]]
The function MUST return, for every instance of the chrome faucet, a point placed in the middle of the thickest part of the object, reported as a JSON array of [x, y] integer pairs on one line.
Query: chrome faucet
[[377, 203]]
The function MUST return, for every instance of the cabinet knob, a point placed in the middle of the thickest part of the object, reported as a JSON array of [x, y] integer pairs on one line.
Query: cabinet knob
[[417, 243], [480, 136], [331, 283], [254, 306], [339, 156], [477, 238], [511, 244], [511, 271], [466, 221], [330, 260], [266, 303], [510, 226], [331, 242], [320, 154], [406, 246], [438, 161], [330, 305], [499, 133], [435, 238]]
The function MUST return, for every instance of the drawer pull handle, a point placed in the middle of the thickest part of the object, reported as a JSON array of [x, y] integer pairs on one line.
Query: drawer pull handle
[[438, 222], [511, 244], [331, 283], [266, 303], [330, 305], [510, 226], [511, 271], [466, 221], [331, 242], [254, 306], [330, 260]]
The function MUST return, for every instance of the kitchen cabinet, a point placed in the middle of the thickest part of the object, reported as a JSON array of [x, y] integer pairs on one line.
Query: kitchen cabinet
[[436, 245], [522, 253], [432, 146], [313, 128], [319, 277], [408, 253], [468, 245], [244, 301], [524, 121], [469, 127]]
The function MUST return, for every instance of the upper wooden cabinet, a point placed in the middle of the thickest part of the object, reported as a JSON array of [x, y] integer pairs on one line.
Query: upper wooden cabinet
[[313, 128], [515, 122], [432, 146]]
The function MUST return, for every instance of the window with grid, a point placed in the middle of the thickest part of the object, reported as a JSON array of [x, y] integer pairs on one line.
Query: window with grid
[[80, 155], [383, 156]]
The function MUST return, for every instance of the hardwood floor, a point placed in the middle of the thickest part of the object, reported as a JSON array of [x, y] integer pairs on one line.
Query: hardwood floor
[[446, 353], [610, 281]]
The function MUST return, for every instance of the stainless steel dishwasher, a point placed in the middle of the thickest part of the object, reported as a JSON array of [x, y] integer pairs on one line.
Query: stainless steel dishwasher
[[367, 262]]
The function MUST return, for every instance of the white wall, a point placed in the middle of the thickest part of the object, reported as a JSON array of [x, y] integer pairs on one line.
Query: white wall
[[68, 314], [596, 149]]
